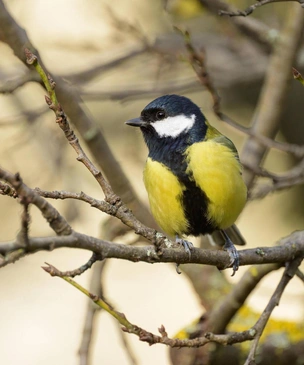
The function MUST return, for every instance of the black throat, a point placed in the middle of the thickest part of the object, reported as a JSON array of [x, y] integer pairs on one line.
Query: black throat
[[171, 152]]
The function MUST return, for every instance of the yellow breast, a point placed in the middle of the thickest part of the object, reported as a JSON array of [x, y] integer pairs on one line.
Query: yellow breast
[[217, 172], [165, 192]]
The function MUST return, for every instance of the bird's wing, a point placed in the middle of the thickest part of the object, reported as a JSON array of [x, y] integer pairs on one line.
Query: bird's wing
[[216, 136]]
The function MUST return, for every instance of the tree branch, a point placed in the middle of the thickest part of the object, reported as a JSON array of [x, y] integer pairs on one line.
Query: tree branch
[[254, 29], [273, 96], [16, 37], [150, 338], [251, 8], [224, 310], [289, 272], [288, 248], [52, 216]]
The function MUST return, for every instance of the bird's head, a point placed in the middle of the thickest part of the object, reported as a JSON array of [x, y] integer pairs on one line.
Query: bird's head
[[171, 116]]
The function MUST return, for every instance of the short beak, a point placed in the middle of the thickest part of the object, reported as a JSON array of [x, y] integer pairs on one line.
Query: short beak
[[136, 122]]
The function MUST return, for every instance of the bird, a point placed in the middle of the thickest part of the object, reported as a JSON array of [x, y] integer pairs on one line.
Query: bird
[[193, 174]]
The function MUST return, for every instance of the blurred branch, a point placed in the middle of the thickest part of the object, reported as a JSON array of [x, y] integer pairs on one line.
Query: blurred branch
[[273, 96], [141, 92], [251, 8], [87, 333], [91, 73], [23, 235], [16, 37], [293, 177], [110, 230], [30, 115], [224, 310], [126, 27], [59, 225], [297, 75], [300, 275], [61, 120], [254, 29], [6, 189], [289, 272], [12, 85], [197, 59]]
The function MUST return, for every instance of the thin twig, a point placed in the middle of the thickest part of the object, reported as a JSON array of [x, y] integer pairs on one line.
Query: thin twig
[[260, 191], [12, 85], [222, 313], [6, 189], [53, 217], [275, 89], [80, 270], [90, 316], [23, 235], [62, 121], [300, 275], [145, 336], [297, 75], [251, 8], [198, 62], [289, 272], [253, 28], [58, 223]]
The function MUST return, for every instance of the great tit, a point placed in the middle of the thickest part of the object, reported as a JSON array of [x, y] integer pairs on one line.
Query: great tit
[[193, 174]]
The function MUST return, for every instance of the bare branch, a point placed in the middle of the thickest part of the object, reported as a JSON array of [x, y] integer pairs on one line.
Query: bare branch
[[198, 62], [225, 339], [62, 121], [149, 337], [289, 272], [222, 313], [12, 85], [6, 189], [95, 257], [257, 31], [91, 312], [93, 72], [300, 275], [273, 95], [251, 8], [288, 248], [55, 220], [23, 235], [16, 37]]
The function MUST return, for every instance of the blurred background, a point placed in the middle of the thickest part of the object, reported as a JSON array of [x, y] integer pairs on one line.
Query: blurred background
[[117, 57]]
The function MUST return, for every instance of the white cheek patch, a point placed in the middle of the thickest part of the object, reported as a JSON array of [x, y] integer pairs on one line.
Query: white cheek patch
[[173, 126]]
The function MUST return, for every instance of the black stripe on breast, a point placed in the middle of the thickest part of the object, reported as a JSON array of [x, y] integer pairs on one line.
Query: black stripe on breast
[[195, 204]]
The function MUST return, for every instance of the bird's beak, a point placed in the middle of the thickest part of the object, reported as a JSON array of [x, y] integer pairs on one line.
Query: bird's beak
[[136, 122]]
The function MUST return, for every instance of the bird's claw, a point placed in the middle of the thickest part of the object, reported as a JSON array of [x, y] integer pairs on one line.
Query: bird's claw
[[186, 244], [177, 269], [234, 256]]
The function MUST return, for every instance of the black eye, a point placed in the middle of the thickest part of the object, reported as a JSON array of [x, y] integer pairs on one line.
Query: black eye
[[160, 115]]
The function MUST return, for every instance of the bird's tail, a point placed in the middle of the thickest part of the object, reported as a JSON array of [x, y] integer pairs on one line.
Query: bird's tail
[[234, 234]]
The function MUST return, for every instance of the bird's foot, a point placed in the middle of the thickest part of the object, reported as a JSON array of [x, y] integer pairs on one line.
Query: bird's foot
[[233, 254], [186, 244]]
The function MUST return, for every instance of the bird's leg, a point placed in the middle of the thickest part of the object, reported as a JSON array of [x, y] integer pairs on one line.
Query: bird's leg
[[186, 244], [232, 251]]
